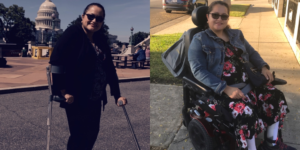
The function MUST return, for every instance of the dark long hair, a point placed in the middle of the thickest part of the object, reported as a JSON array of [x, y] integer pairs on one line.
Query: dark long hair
[[94, 4], [100, 33], [211, 6]]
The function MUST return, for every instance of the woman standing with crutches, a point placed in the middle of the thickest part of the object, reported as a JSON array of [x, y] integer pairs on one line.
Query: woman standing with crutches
[[84, 53]]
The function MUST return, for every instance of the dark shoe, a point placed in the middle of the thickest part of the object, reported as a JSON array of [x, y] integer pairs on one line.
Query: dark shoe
[[279, 146], [265, 146], [283, 146]]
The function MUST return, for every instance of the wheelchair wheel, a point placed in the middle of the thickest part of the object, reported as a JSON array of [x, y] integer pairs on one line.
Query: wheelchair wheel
[[199, 137]]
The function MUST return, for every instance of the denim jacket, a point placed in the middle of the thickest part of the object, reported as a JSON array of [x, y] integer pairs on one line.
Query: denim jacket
[[140, 55], [206, 56]]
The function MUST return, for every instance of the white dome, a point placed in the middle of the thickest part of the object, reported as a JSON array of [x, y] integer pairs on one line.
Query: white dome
[[44, 19], [44, 23], [48, 5]]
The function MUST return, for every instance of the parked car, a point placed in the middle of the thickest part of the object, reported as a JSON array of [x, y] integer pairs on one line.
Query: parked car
[[182, 5]]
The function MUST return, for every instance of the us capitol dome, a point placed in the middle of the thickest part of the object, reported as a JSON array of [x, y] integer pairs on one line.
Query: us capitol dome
[[43, 21]]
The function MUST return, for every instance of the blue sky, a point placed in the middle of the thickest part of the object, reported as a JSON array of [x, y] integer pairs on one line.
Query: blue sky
[[120, 14]]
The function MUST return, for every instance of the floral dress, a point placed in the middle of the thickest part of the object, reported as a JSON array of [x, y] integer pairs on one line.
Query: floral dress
[[262, 107], [99, 77]]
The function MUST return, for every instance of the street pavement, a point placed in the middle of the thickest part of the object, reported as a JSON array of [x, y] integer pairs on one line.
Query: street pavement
[[23, 118], [25, 71], [263, 30], [158, 16]]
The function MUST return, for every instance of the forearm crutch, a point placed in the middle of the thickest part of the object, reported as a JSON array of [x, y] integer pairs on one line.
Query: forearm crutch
[[49, 107], [51, 69], [130, 126]]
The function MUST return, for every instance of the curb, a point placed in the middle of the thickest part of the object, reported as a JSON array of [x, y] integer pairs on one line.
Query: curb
[[45, 86]]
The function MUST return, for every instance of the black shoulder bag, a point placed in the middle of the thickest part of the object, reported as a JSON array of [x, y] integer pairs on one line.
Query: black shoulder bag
[[256, 78]]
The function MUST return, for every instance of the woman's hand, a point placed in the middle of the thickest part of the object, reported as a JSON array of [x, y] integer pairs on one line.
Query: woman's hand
[[123, 99], [267, 73], [69, 98], [234, 93]]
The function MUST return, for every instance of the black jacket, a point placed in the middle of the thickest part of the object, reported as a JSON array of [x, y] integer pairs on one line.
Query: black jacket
[[75, 52]]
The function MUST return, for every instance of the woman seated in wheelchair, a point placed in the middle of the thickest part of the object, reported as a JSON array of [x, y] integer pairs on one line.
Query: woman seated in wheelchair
[[216, 58]]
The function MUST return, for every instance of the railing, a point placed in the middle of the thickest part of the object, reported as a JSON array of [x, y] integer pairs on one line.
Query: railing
[[144, 41]]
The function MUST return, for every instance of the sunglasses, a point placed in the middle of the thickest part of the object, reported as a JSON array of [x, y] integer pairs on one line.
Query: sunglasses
[[92, 17], [216, 16]]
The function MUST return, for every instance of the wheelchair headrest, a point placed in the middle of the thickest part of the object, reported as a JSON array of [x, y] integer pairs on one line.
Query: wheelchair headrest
[[199, 16]]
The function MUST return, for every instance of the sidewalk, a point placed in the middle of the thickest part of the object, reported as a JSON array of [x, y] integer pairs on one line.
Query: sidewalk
[[263, 31], [25, 71]]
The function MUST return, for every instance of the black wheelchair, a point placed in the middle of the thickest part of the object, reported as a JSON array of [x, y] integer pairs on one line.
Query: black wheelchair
[[208, 129]]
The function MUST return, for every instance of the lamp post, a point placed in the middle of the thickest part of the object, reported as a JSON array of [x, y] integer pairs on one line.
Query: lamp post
[[131, 29], [52, 39]]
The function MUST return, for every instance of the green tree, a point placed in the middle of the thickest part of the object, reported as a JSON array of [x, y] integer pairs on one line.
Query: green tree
[[138, 37], [18, 28], [22, 32], [57, 36], [119, 43], [76, 21]]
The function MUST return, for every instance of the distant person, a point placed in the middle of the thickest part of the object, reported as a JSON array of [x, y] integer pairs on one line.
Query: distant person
[[84, 53], [147, 53], [115, 50], [23, 52], [139, 54], [29, 53]]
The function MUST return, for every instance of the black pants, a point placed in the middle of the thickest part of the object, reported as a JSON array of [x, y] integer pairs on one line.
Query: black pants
[[84, 126], [134, 58]]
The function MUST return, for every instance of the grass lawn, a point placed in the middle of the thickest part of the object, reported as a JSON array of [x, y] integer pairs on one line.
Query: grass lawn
[[238, 10], [159, 73]]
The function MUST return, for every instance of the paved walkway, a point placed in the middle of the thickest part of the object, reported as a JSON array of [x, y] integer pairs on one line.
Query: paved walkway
[[24, 121], [263, 31], [25, 71]]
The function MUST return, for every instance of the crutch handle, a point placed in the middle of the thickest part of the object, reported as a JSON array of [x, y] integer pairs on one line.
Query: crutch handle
[[120, 103]]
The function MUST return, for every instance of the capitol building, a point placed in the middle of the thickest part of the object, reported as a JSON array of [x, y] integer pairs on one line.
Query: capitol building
[[43, 21]]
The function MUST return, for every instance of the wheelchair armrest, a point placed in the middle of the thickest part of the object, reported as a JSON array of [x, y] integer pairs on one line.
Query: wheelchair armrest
[[197, 86], [278, 81]]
